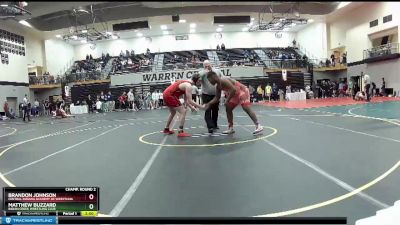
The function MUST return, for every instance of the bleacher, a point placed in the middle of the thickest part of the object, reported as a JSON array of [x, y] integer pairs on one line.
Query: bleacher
[[183, 60]]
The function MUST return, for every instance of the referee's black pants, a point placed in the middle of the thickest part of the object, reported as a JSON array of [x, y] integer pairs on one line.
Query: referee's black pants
[[211, 114]]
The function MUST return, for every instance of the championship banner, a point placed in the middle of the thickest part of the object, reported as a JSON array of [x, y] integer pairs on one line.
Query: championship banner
[[162, 77]]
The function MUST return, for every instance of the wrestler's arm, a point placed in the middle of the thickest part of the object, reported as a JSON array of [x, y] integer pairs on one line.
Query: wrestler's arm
[[188, 96]]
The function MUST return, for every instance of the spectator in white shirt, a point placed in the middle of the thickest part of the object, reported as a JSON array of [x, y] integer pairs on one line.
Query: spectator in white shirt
[[131, 100], [367, 83], [98, 105], [154, 97]]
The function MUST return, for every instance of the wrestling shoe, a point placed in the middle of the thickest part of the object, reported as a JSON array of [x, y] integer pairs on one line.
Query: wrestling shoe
[[229, 131], [184, 134], [168, 131], [259, 129]]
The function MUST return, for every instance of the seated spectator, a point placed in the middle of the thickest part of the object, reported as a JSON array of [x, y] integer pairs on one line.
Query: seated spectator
[[360, 96], [123, 101], [9, 112]]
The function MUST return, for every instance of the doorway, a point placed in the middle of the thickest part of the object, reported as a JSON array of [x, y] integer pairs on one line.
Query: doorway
[[12, 103]]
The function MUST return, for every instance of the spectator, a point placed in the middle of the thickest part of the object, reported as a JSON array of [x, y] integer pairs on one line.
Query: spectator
[[218, 48], [260, 93], [98, 105], [148, 52], [223, 46], [8, 112], [383, 88], [26, 108], [89, 102], [154, 97], [46, 107], [360, 96], [333, 60], [131, 100], [274, 92], [132, 53], [373, 90], [147, 101], [160, 99], [367, 82], [344, 59], [36, 106], [87, 58], [122, 101], [110, 102], [195, 92], [268, 91], [294, 43], [90, 57]]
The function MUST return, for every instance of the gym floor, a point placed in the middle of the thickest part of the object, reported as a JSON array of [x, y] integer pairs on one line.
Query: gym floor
[[330, 161]]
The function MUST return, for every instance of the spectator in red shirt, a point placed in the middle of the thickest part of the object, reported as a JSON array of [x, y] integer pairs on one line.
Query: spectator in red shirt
[[122, 101], [7, 111]]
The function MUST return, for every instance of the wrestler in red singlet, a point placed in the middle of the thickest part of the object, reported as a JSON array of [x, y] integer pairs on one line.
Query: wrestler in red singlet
[[172, 93], [171, 98]]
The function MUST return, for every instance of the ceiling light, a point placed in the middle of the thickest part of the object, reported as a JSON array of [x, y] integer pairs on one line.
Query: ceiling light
[[192, 25], [83, 41], [58, 36], [192, 30], [139, 34], [244, 29], [24, 4], [220, 25], [219, 29], [4, 5], [82, 10], [165, 32], [109, 33], [23, 22], [74, 37], [84, 31], [310, 20], [114, 37], [252, 18], [342, 4], [163, 27], [182, 21]]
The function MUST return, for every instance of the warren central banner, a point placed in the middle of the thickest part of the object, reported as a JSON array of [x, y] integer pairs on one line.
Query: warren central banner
[[162, 77]]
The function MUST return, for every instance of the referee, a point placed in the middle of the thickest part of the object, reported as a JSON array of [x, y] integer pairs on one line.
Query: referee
[[208, 93]]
